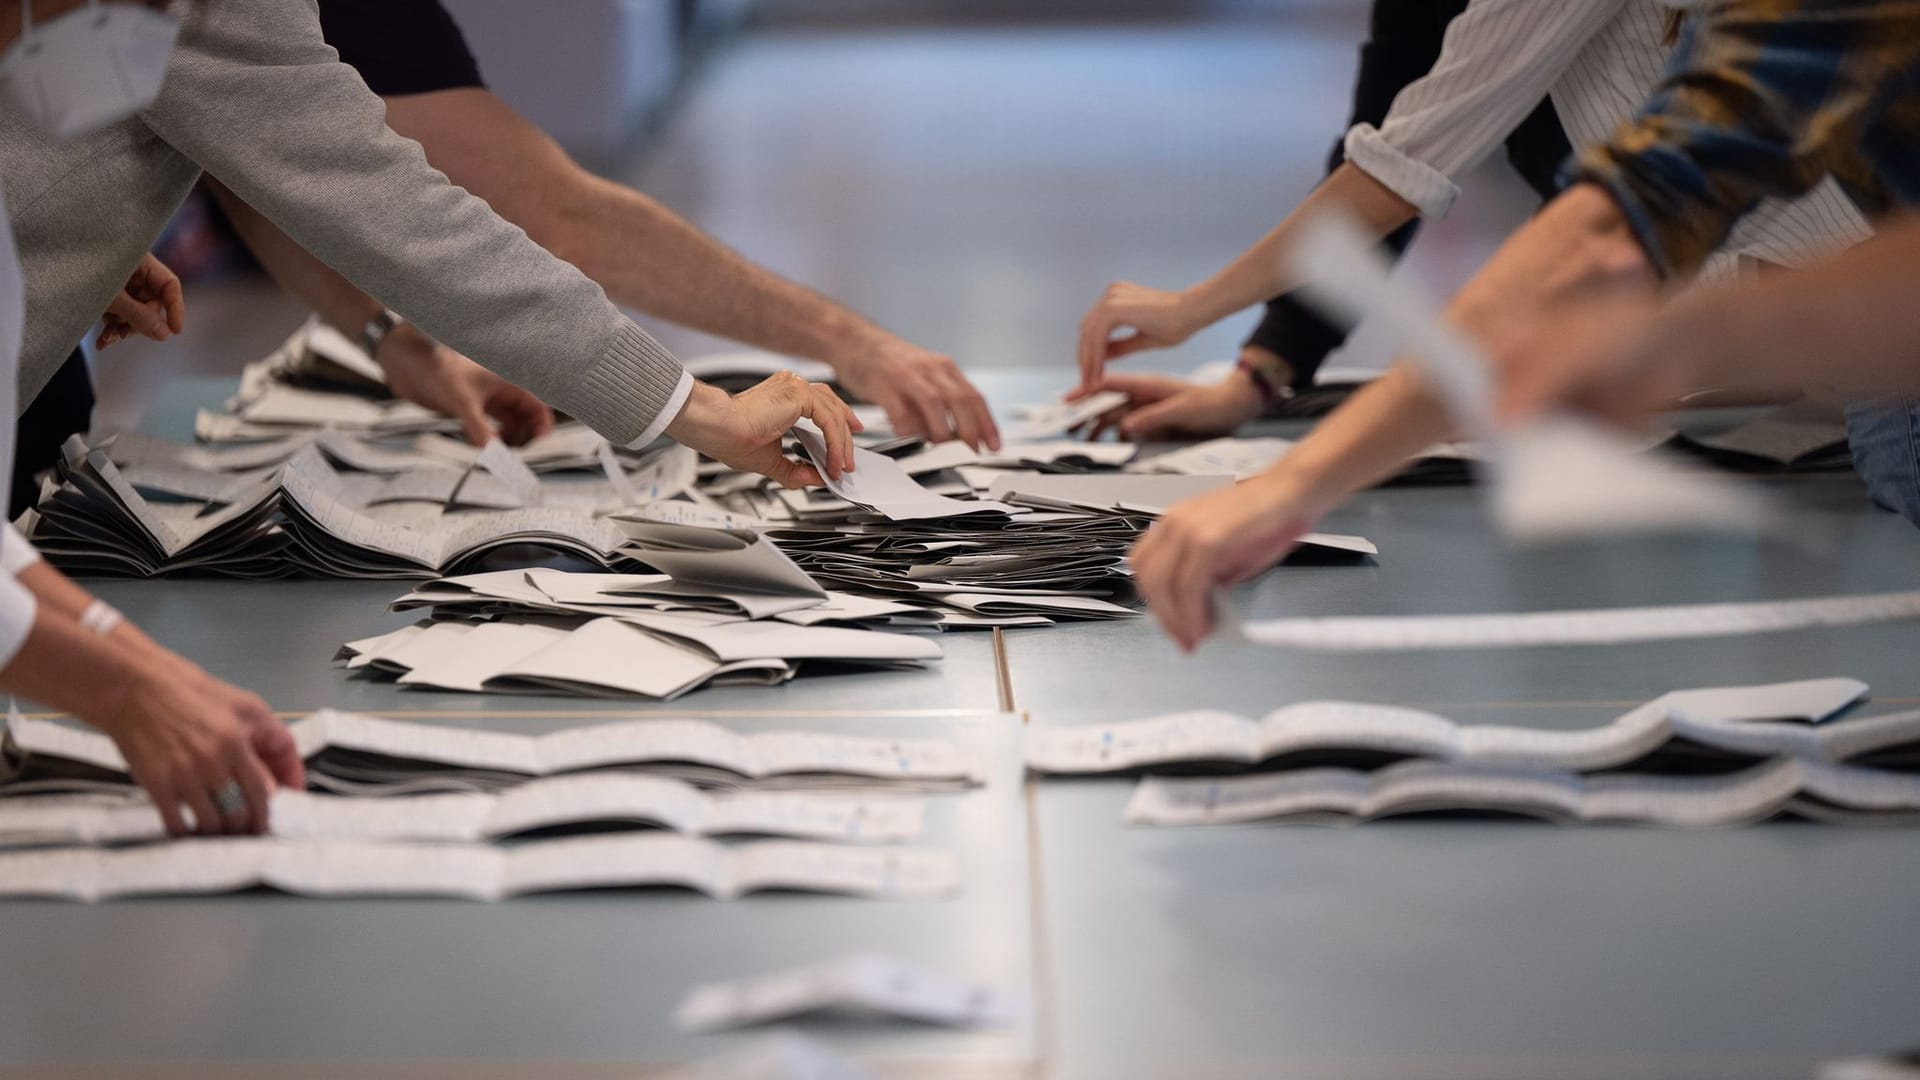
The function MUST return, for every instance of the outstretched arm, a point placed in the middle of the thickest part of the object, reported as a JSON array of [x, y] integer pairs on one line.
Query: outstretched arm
[[649, 258]]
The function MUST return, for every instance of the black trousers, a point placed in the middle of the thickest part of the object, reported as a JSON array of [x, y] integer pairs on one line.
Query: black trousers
[[1403, 42], [64, 408]]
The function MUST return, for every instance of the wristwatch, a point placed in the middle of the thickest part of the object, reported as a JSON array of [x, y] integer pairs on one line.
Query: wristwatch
[[377, 329]]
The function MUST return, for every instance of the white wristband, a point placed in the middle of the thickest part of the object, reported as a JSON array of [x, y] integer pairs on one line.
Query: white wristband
[[101, 617]]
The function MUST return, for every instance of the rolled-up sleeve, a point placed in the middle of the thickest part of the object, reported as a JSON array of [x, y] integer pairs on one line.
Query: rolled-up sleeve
[[1761, 99], [1499, 59]]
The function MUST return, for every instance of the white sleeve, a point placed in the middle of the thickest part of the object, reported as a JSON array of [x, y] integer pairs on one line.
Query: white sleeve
[[1500, 58], [17, 553], [17, 610]]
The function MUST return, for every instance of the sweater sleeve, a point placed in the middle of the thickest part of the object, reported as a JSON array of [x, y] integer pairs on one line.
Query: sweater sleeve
[[1499, 59], [257, 99]]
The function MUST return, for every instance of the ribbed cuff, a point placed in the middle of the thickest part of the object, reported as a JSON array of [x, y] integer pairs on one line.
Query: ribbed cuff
[[631, 389], [1429, 190], [674, 404], [17, 553]]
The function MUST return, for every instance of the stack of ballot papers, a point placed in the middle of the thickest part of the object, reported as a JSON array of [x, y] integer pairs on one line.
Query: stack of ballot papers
[[1719, 756], [418, 810], [353, 754], [1809, 435]]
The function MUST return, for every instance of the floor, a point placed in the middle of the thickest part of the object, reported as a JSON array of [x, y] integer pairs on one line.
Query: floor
[[972, 187]]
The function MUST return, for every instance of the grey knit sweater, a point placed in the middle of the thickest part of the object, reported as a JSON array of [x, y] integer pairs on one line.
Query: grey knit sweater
[[257, 99]]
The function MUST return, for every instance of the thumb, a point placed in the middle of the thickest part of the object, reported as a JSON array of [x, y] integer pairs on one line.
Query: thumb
[[143, 319], [473, 421], [1152, 421]]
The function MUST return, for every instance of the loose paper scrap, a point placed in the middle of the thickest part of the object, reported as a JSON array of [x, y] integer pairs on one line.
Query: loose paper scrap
[[1559, 477], [1598, 626], [867, 982]]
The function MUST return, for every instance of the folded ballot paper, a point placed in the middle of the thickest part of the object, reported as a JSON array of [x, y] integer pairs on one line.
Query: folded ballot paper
[[1558, 477], [868, 983], [476, 871], [596, 800], [1598, 626], [781, 1056], [1744, 721], [352, 753], [1240, 458]]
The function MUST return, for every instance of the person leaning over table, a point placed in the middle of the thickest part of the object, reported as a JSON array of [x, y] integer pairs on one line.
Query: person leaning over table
[[412, 53], [1291, 342], [251, 93], [188, 738], [1764, 99], [255, 99], [1596, 60]]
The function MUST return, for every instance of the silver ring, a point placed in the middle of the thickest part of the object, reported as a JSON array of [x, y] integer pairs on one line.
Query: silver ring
[[230, 799]]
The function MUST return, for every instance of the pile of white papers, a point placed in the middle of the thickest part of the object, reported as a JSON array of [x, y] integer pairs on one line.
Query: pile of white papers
[[475, 871], [1444, 463], [572, 801], [351, 753], [1716, 756]]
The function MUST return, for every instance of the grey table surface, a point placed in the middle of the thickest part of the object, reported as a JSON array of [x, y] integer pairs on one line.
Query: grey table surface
[[1393, 950]]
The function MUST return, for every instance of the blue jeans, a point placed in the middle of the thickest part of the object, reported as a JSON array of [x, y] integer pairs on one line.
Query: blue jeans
[[1885, 438]]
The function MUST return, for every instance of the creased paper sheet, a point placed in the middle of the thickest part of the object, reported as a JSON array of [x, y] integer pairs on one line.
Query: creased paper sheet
[[783, 1056], [588, 799], [1558, 478], [1346, 795], [1732, 718], [476, 871], [879, 483], [592, 746], [867, 982], [1596, 626]]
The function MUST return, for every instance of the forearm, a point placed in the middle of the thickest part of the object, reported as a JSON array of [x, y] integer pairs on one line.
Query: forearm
[[1850, 323], [687, 277], [58, 596], [1579, 242], [1262, 272], [72, 669], [344, 307]]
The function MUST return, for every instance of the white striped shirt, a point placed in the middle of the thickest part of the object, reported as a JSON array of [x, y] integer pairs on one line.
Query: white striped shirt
[[1599, 61]]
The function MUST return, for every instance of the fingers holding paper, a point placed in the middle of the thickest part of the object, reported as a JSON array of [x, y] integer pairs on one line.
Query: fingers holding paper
[[208, 754], [747, 431], [1127, 319], [1221, 538], [1161, 407], [924, 395]]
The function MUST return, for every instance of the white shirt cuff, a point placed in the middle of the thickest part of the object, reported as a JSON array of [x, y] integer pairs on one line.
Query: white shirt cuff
[[17, 553], [1429, 190], [17, 610], [675, 403]]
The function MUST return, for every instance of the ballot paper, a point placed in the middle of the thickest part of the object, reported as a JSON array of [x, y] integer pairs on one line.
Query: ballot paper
[[401, 750], [744, 368], [1808, 435], [728, 560], [1038, 422], [1599, 626], [1144, 493], [596, 799], [1728, 719], [862, 982], [1060, 454], [879, 484], [1789, 786], [325, 868], [1558, 477]]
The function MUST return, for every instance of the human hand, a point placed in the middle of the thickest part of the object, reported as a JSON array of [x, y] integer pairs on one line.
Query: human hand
[[1606, 356], [1161, 407], [923, 392], [429, 374], [746, 431], [152, 305], [1157, 319], [188, 736], [1221, 538]]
